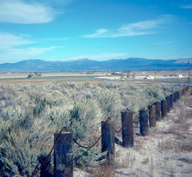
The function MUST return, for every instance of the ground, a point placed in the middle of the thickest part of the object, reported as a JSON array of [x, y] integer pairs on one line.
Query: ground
[[166, 151]]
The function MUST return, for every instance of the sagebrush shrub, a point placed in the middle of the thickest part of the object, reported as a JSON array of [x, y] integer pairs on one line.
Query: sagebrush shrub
[[30, 114]]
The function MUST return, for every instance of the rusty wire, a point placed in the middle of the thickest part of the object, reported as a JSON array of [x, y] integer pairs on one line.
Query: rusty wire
[[89, 147], [48, 154], [86, 147], [118, 131]]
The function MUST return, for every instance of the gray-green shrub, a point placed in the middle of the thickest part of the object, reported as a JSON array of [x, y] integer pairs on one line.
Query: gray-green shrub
[[30, 114]]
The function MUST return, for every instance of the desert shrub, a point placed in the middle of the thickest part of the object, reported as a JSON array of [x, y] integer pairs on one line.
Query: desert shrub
[[86, 157], [153, 94], [20, 148], [109, 101], [135, 103], [58, 115], [30, 114], [85, 117]]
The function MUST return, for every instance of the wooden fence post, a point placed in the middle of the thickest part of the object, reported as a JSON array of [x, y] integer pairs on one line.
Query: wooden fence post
[[180, 94], [152, 116], [127, 128], [188, 87], [163, 108], [168, 103], [171, 100], [158, 111], [144, 119], [184, 91], [63, 157], [175, 97], [108, 140]]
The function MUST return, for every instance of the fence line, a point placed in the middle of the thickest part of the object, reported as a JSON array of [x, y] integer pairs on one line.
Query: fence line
[[123, 122], [49, 153], [86, 147], [145, 117], [89, 147]]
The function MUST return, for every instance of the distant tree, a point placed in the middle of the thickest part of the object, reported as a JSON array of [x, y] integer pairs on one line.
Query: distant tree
[[128, 74], [29, 76], [122, 74], [90, 72], [133, 75]]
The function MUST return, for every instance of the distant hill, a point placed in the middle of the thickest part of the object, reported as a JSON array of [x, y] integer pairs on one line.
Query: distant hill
[[91, 65]]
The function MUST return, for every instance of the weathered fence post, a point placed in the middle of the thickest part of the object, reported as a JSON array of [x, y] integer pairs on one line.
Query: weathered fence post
[[127, 128], [175, 97], [184, 91], [188, 87], [63, 157], [168, 103], [171, 100], [108, 140], [152, 116], [158, 111], [180, 94], [144, 119], [163, 108]]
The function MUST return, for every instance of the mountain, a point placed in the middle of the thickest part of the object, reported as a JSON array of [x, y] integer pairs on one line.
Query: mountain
[[91, 65]]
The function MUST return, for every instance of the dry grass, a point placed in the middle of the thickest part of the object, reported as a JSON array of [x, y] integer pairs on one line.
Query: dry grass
[[104, 171]]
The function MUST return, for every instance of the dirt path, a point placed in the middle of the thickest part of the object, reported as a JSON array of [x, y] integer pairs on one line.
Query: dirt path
[[166, 151]]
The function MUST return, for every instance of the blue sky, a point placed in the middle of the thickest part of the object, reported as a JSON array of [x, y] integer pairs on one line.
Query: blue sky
[[65, 30]]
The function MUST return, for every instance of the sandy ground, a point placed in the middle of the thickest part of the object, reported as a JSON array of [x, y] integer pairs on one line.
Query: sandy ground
[[166, 151], [25, 75]]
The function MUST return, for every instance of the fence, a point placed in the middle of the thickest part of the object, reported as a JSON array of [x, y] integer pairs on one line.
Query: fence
[[63, 156]]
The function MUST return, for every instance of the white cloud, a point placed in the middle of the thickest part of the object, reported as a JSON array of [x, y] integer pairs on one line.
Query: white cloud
[[132, 29], [102, 56], [14, 47], [19, 12], [187, 6], [8, 40], [99, 33], [15, 54], [136, 29]]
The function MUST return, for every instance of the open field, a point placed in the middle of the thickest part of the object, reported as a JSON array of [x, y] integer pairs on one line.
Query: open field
[[169, 76], [46, 77]]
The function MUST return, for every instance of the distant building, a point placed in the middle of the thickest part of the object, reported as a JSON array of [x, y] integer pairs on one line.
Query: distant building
[[149, 77]]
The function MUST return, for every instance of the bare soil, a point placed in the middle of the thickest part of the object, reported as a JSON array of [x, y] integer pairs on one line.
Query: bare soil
[[166, 151]]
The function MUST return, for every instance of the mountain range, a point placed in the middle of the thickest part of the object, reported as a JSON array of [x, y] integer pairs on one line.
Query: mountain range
[[92, 65]]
